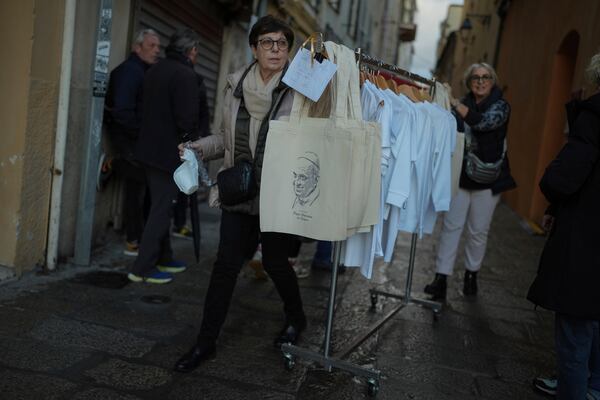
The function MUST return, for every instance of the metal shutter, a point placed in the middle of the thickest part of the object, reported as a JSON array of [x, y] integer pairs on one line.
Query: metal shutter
[[166, 16]]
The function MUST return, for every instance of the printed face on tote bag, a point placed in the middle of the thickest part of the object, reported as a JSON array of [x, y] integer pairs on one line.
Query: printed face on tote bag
[[306, 180]]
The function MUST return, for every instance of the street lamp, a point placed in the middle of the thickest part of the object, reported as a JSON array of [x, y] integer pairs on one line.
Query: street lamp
[[467, 25]]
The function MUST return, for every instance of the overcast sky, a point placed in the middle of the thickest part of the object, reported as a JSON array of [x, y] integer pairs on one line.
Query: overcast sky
[[430, 14]]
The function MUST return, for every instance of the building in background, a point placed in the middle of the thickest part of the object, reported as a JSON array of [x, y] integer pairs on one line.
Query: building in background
[[446, 52], [543, 55], [469, 34], [540, 53]]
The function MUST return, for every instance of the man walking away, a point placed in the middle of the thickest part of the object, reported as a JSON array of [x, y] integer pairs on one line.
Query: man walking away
[[170, 117]]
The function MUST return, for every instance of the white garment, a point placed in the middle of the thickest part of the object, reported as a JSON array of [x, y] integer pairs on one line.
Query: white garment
[[417, 141], [442, 99], [360, 249], [475, 208]]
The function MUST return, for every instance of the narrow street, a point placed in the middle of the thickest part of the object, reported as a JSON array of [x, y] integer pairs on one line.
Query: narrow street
[[65, 336]]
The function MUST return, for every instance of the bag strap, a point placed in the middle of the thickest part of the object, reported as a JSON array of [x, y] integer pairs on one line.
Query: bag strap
[[469, 140], [262, 132]]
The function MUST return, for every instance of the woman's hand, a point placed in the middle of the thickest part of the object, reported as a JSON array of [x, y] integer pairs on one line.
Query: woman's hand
[[547, 222], [194, 146]]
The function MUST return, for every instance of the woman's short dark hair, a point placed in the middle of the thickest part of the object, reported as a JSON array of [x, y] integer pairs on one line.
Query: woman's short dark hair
[[269, 24]]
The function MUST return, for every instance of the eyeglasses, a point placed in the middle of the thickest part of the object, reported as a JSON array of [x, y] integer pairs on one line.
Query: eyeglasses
[[267, 44], [480, 78]]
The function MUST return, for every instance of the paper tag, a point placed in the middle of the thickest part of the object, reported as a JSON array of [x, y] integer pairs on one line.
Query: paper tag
[[309, 78]]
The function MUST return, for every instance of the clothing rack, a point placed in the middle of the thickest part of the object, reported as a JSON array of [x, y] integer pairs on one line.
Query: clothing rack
[[436, 307], [373, 376]]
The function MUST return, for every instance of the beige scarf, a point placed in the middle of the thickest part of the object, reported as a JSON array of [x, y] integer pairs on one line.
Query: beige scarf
[[257, 98]]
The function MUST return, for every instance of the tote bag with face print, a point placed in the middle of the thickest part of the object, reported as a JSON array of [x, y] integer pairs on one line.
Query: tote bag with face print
[[307, 172]]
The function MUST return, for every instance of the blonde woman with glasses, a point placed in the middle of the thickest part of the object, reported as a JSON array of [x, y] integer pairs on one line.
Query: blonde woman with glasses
[[483, 115]]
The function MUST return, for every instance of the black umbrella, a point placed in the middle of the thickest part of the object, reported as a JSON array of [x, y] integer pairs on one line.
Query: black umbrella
[[195, 224]]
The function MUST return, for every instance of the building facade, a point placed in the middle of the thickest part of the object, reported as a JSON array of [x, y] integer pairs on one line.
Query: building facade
[[469, 34], [542, 59]]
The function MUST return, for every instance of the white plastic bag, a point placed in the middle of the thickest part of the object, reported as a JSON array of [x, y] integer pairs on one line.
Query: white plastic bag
[[186, 176]]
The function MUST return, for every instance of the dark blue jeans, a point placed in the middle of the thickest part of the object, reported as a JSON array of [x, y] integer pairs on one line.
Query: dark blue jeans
[[323, 252], [578, 357]]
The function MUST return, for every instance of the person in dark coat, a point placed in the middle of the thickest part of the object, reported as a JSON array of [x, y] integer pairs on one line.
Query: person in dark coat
[[123, 115], [180, 229], [483, 115], [569, 269], [170, 117]]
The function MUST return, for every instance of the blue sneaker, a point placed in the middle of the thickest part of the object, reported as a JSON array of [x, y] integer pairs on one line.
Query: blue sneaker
[[546, 385], [155, 277], [593, 394], [172, 267]]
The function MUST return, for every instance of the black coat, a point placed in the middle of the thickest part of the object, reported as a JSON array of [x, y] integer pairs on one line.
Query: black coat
[[170, 112], [122, 107], [569, 272], [488, 121]]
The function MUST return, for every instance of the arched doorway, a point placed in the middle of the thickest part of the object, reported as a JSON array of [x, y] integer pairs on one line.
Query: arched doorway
[[554, 127]]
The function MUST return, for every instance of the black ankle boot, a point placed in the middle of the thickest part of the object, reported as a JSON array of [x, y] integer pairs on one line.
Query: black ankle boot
[[290, 332], [437, 288], [470, 287], [193, 358]]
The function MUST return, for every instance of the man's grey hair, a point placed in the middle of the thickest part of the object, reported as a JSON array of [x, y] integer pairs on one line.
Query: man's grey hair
[[183, 41], [141, 34], [473, 67], [593, 70]]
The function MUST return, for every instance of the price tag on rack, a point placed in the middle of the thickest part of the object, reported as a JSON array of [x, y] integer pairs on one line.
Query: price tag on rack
[[309, 76]]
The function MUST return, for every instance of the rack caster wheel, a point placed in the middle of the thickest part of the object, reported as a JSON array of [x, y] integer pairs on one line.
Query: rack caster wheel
[[289, 362], [372, 387], [374, 300]]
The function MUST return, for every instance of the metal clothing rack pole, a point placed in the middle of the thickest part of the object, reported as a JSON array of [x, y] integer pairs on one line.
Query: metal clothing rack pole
[[290, 352], [373, 376]]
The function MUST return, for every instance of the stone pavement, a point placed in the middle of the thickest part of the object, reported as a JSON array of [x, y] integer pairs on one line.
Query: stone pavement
[[78, 335]]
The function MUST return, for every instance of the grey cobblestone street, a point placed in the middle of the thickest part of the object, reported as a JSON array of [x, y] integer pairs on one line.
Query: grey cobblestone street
[[64, 338]]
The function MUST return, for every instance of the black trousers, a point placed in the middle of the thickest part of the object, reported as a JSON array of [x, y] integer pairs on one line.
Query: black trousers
[[136, 204], [155, 246], [134, 209], [180, 210], [240, 232]]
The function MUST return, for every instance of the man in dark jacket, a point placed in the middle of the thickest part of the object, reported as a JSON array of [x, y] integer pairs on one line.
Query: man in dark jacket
[[181, 205], [170, 117], [569, 270], [123, 119]]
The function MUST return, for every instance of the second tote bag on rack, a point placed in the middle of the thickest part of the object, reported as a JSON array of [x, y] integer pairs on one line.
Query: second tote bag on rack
[[365, 174], [306, 168]]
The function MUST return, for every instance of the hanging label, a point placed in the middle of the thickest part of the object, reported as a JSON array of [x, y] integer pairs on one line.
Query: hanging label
[[309, 76]]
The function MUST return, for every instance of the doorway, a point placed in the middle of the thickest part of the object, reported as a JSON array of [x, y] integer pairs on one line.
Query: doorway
[[554, 126]]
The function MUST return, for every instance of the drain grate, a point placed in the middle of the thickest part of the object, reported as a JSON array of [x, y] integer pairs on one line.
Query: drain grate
[[103, 279], [155, 299]]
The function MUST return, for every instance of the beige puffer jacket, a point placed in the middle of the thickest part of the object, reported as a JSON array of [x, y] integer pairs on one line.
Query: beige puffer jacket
[[221, 144]]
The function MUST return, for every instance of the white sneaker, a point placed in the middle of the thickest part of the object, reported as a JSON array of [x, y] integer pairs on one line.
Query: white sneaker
[[256, 264]]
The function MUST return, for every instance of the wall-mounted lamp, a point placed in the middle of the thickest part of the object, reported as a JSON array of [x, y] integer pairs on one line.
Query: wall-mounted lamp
[[467, 25]]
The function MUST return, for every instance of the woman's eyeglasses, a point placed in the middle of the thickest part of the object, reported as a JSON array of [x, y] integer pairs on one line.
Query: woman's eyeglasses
[[480, 78], [267, 44]]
